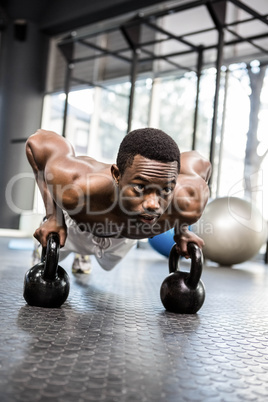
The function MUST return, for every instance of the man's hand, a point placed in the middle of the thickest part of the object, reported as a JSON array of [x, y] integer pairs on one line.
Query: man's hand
[[49, 226], [185, 237]]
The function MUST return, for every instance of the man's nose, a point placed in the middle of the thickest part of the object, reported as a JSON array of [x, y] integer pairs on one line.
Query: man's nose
[[151, 202]]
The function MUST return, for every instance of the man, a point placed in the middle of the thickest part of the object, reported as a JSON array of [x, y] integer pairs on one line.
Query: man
[[103, 209]]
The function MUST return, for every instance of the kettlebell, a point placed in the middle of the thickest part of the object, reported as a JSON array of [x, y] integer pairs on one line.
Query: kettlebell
[[47, 284], [184, 292]]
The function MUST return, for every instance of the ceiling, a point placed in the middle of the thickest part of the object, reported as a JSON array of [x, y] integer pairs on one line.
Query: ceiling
[[169, 36], [166, 35], [57, 16]]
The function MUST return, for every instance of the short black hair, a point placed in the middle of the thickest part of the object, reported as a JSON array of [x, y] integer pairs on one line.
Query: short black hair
[[150, 143]]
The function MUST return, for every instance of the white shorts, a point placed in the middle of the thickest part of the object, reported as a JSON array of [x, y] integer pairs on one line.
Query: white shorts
[[108, 251]]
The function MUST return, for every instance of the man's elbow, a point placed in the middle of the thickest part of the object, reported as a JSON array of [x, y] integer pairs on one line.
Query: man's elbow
[[190, 215], [195, 210]]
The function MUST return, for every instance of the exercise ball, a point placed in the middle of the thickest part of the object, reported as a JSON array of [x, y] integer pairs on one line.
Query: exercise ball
[[233, 230], [163, 242]]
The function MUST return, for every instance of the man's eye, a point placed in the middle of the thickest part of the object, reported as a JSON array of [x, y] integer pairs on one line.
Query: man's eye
[[139, 188], [167, 191]]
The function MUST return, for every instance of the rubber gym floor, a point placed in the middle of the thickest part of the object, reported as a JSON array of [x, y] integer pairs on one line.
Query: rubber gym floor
[[113, 341]]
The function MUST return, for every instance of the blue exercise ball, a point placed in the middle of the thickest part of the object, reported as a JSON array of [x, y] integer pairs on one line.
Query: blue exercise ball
[[163, 242]]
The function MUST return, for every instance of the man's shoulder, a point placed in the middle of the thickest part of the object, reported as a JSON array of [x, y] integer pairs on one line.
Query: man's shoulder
[[94, 162], [193, 163], [95, 179]]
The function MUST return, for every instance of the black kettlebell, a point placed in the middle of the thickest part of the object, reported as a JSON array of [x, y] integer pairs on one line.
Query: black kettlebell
[[47, 284], [184, 292]]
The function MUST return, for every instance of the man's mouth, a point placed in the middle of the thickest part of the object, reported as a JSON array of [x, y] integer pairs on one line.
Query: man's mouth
[[149, 219]]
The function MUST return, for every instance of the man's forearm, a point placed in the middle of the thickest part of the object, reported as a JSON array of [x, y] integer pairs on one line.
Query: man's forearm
[[52, 209]]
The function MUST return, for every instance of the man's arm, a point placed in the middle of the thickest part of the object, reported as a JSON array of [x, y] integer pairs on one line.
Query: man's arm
[[190, 198], [41, 149]]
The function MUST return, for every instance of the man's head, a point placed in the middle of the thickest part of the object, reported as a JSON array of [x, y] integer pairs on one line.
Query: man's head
[[150, 143], [148, 165]]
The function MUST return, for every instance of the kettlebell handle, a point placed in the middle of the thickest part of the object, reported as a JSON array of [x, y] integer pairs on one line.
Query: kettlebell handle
[[50, 256], [196, 263]]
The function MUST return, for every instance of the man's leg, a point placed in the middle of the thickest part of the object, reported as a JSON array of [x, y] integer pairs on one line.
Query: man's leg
[[81, 264], [37, 251]]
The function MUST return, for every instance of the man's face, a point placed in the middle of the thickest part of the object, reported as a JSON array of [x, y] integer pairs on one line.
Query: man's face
[[146, 188]]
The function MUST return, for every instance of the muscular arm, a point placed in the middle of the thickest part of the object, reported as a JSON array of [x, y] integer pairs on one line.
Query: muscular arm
[[192, 192], [42, 148], [190, 197]]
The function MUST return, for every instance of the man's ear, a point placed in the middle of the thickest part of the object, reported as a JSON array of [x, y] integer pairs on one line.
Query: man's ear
[[115, 173]]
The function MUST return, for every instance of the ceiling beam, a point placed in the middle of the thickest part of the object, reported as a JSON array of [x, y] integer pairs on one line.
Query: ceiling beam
[[250, 11]]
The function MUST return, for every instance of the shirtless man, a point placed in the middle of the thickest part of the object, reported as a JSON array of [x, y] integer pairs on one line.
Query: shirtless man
[[103, 209]]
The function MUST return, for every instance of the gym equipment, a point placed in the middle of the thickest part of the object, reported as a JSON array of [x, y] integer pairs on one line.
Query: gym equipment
[[184, 292], [46, 284], [233, 230], [163, 242]]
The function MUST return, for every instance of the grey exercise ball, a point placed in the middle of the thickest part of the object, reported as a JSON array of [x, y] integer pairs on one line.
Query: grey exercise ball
[[233, 230]]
